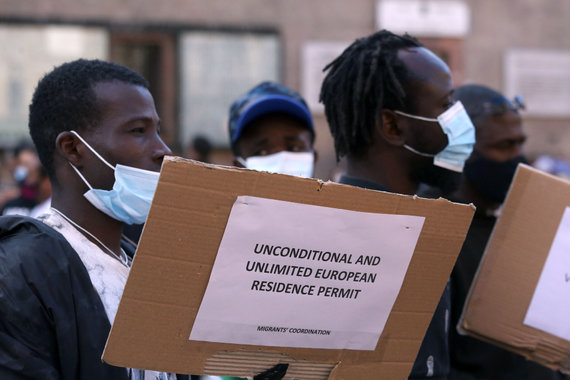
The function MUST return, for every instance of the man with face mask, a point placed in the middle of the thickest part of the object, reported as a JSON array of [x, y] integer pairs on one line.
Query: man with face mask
[[34, 187], [486, 179], [96, 130], [271, 129], [389, 107]]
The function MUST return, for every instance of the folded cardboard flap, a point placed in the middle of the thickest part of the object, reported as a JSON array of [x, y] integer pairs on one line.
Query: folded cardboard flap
[[178, 247], [511, 267]]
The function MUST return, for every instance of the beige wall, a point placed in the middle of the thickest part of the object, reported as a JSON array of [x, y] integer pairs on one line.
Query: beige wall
[[295, 21], [500, 25], [495, 27]]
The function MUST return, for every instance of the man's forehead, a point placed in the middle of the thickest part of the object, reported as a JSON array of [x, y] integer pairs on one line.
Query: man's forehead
[[423, 64], [497, 127], [28, 157], [276, 124], [116, 90]]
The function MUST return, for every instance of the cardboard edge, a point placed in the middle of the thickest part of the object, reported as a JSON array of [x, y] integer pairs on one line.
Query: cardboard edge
[[336, 372], [462, 321], [241, 361], [525, 171]]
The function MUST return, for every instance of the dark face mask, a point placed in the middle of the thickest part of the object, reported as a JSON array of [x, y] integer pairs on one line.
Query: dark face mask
[[446, 181], [28, 191], [491, 178]]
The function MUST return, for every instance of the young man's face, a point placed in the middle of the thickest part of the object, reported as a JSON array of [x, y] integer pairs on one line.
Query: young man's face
[[430, 94], [273, 134], [127, 132], [500, 137]]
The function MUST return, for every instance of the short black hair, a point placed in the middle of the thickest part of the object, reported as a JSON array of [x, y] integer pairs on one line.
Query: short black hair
[[480, 100], [23, 146], [65, 100], [366, 78], [202, 145]]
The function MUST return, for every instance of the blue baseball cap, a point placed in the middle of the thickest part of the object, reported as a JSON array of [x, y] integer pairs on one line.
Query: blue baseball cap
[[263, 99]]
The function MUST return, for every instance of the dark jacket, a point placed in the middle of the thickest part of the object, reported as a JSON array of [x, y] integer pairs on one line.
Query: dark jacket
[[52, 322]]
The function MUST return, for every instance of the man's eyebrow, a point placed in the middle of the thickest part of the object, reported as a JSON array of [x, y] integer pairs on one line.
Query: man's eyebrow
[[141, 118], [292, 138], [260, 142]]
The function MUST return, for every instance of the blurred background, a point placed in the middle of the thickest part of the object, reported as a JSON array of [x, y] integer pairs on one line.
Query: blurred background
[[200, 55]]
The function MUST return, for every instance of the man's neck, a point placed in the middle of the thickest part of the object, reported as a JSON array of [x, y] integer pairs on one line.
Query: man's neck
[[79, 210], [387, 170]]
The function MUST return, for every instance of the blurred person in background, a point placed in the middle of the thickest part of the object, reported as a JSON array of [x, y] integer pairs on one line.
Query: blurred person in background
[[487, 175], [271, 129], [199, 149], [33, 184], [389, 107], [557, 166]]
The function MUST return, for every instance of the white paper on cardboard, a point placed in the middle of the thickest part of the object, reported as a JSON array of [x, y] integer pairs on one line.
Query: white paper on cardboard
[[549, 308], [297, 275]]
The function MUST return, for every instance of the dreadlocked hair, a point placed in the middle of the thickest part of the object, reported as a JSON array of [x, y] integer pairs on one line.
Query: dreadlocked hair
[[366, 78]]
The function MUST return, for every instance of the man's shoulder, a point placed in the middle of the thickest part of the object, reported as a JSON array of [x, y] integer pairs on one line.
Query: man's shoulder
[[27, 240], [362, 182]]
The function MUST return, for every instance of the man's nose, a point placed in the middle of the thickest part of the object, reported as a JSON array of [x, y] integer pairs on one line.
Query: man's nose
[[161, 149]]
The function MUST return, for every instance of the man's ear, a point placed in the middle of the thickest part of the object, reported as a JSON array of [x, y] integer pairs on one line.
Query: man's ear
[[66, 145], [388, 126]]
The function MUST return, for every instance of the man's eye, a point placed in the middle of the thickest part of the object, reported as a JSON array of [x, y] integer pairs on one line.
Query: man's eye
[[261, 152]]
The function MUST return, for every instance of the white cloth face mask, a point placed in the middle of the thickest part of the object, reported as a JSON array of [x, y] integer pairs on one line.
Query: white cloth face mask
[[130, 199], [457, 125], [293, 163]]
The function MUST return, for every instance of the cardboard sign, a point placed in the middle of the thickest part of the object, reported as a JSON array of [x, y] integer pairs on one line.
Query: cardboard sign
[[183, 235], [549, 308], [526, 237], [277, 258]]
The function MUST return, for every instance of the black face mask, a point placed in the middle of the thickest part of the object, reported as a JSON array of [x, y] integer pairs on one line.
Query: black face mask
[[491, 178], [444, 180]]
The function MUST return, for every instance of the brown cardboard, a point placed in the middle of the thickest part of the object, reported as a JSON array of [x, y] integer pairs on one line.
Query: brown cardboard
[[511, 266], [178, 247]]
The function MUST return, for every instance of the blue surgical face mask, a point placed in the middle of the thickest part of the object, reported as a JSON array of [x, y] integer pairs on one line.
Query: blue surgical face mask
[[293, 163], [130, 199], [460, 132], [20, 173]]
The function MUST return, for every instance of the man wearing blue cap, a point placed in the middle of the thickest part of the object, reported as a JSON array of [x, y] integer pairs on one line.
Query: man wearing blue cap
[[271, 129]]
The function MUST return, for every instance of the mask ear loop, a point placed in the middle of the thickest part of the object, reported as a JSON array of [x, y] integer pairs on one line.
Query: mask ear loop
[[92, 150], [81, 176], [406, 146], [417, 117]]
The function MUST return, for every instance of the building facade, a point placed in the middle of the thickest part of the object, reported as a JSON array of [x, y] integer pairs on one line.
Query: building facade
[[200, 55]]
